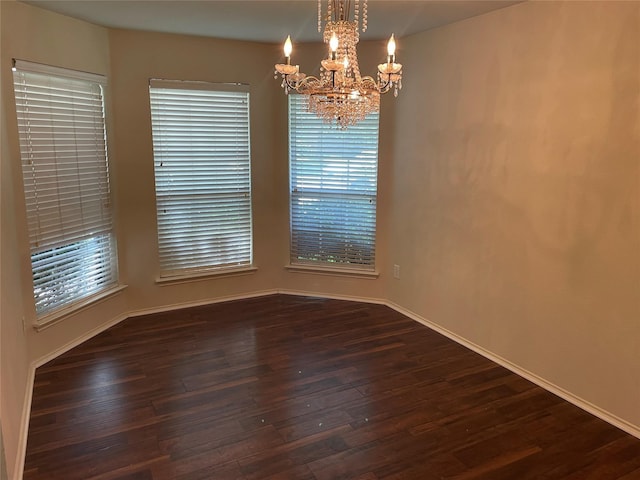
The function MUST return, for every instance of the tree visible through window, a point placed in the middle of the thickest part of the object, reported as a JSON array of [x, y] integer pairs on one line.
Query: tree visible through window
[[333, 181]]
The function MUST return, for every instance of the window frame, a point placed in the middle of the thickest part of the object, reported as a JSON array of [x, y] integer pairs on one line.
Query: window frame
[[62, 128], [356, 182], [169, 270]]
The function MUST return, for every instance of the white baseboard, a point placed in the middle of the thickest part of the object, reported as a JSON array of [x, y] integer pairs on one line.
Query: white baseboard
[[77, 341], [532, 377], [200, 303], [350, 298], [24, 425], [541, 382]]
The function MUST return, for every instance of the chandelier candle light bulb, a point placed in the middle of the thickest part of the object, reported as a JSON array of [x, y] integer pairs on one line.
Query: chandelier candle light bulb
[[340, 94], [391, 50], [286, 69], [333, 44], [288, 47]]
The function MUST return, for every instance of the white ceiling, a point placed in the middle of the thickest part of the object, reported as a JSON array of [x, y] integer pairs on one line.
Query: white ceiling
[[264, 20]]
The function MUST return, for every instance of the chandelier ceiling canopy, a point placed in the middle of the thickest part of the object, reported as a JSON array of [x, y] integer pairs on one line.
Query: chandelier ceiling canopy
[[340, 94]]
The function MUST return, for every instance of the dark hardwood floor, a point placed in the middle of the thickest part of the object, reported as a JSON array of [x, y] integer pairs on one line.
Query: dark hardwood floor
[[285, 387]]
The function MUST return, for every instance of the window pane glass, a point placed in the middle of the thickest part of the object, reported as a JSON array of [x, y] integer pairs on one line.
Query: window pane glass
[[203, 178], [66, 183], [333, 179]]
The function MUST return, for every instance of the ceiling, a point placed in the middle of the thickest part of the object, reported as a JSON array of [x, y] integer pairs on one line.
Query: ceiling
[[264, 20]]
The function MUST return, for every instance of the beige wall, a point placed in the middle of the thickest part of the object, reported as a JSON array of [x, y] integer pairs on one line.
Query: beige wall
[[516, 199], [13, 349]]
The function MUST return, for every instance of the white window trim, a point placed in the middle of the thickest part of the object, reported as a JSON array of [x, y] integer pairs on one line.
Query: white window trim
[[205, 275], [332, 271], [196, 273], [315, 189], [49, 317], [58, 71]]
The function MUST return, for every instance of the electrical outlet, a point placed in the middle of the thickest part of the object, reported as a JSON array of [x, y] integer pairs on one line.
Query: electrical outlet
[[396, 271]]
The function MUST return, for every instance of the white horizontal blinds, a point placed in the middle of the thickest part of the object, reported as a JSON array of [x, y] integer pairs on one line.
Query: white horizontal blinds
[[333, 177], [69, 273], [66, 183], [203, 176]]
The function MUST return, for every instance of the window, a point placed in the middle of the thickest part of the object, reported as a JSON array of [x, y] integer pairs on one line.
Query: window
[[66, 183], [203, 176], [333, 181]]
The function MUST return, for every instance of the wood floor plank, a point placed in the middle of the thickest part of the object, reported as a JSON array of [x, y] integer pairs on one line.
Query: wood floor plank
[[287, 387]]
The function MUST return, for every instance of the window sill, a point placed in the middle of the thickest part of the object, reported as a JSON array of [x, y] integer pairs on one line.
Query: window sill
[[331, 271], [199, 276], [52, 318]]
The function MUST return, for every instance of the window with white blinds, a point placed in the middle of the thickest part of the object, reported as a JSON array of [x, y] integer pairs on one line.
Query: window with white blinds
[[66, 183], [203, 176], [333, 181]]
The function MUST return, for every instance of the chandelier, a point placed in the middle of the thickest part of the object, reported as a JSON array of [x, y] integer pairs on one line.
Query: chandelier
[[340, 94]]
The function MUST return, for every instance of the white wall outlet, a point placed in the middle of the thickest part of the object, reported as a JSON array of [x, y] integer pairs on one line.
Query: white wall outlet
[[396, 271]]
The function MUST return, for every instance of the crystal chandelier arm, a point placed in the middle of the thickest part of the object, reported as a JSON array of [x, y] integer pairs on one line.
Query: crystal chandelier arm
[[293, 82], [369, 82], [299, 82], [289, 85], [384, 87], [307, 83], [388, 80]]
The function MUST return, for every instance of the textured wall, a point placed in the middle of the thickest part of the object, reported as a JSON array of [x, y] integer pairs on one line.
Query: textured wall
[[516, 199]]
